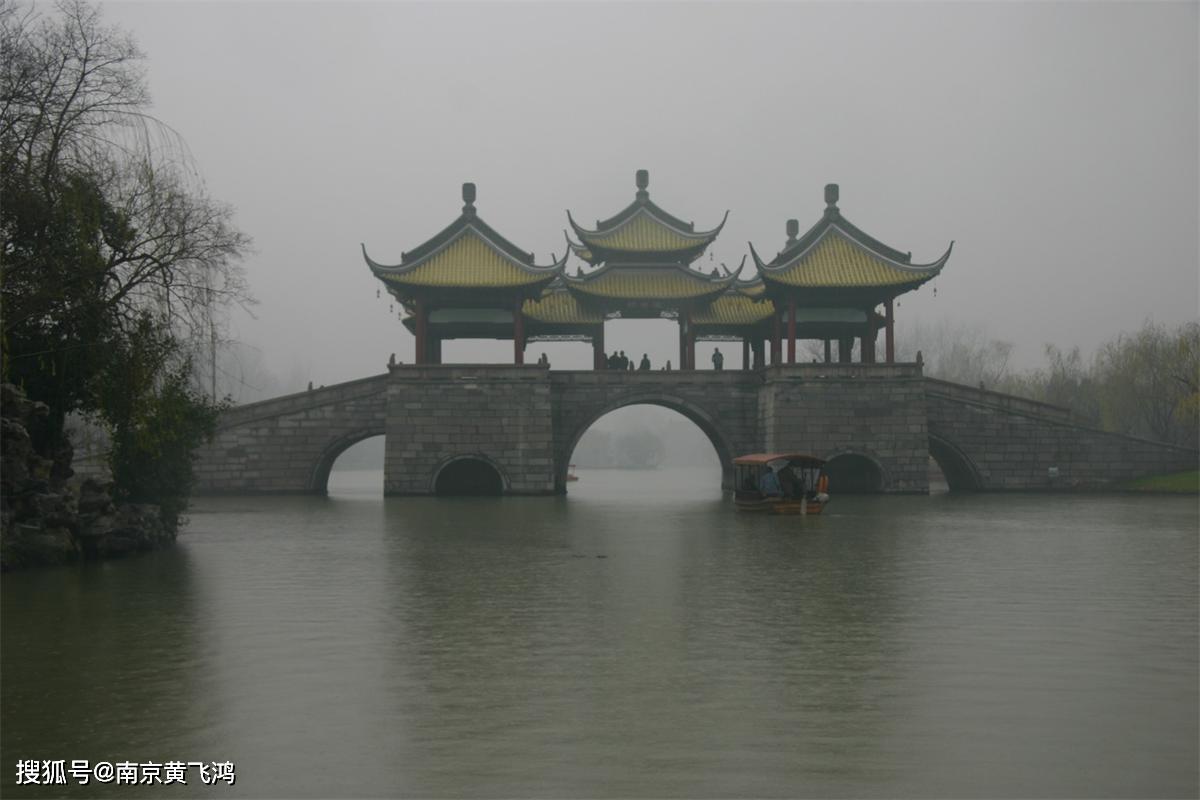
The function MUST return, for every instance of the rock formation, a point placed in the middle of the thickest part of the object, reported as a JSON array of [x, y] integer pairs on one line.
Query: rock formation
[[45, 517]]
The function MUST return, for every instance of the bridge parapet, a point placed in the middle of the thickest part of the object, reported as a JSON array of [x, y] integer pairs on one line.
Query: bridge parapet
[[300, 401], [836, 371], [1006, 402]]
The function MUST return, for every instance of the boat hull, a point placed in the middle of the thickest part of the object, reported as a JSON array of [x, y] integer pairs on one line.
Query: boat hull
[[780, 506]]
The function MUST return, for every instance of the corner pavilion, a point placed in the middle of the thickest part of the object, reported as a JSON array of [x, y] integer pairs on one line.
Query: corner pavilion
[[829, 284]]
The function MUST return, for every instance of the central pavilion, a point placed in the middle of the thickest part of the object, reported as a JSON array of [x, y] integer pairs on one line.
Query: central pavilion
[[468, 281]]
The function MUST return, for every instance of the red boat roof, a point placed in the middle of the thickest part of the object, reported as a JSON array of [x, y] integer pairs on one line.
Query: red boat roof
[[761, 459]]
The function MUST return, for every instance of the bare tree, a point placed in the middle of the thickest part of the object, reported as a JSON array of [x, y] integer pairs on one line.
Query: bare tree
[[105, 219]]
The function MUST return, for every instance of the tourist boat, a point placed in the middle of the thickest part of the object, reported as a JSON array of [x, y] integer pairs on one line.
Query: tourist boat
[[804, 485], [571, 476]]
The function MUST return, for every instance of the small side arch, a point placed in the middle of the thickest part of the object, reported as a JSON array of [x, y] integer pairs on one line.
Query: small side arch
[[707, 424], [854, 472], [469, 474], [318, 482], [959, 470]]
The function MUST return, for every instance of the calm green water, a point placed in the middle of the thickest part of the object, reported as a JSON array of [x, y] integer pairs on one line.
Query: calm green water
[[637, 638]]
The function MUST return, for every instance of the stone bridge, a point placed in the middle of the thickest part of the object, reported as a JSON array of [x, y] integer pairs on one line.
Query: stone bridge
[[515, 427]]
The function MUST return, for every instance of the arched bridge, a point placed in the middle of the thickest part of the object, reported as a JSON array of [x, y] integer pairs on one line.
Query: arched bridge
[[521, 424]]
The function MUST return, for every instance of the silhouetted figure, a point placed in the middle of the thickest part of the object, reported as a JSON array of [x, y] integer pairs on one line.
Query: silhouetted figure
[[718, 359], [310, 386], [787, 483], [614, 361], [623, 363], [920, 358], [645, 365], [668, 366], [392, 360], [543, 361]]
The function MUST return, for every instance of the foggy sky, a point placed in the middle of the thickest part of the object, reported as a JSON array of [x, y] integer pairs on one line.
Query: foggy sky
[[1057, 144]]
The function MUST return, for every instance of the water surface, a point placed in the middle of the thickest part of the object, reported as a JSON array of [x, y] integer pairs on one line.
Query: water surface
[[637, 638]]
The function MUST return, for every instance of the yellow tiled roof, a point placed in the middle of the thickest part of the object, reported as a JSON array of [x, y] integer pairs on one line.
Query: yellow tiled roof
[[754, 290], [730, 309], [469, 261], [560, 307], [836, 261], [642, 233], [647, 284]]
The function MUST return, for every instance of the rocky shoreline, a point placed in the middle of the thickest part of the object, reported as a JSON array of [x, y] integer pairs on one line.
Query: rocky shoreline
[[47, 516]]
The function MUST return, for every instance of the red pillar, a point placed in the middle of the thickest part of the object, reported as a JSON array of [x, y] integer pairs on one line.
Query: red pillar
[[745, 352], [776, 347], [599, 360], [889, 341], [518, 335], [868, 344], [828, 354], [421, 353], [792, 331]]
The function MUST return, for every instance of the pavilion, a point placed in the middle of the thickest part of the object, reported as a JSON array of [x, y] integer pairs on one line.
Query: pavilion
[[468, 281]]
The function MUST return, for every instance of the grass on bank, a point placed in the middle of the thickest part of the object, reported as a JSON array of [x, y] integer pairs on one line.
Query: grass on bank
[[1175, 483]]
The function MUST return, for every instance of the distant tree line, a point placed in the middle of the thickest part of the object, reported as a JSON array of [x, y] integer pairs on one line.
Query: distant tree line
[[116, 265], [637, 448], [1144, 384]]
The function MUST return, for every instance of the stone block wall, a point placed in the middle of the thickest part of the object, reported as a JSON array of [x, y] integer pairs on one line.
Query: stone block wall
[[289, 444], [498, 414], [525, 421], [1010, 450], [872, 410]]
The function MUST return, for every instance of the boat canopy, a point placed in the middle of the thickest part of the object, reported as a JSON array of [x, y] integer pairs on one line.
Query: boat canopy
[[764, 459]]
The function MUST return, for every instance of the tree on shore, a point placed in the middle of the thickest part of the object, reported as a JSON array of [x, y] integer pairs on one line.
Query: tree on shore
[[1145, 383], [114, 261]]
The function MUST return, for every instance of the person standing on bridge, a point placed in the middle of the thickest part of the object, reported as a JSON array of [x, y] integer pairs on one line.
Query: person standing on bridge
[[645, 364], [614, 361], [718, 360]]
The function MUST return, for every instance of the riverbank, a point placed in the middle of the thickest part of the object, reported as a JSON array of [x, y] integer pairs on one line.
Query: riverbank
[[1175, 483], [48, 515]]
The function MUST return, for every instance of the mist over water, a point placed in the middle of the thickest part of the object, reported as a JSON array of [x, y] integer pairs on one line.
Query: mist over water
[[635, 638]]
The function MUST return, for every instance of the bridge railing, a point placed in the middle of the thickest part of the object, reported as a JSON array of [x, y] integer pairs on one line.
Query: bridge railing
[[298, 401], [1007, 402]]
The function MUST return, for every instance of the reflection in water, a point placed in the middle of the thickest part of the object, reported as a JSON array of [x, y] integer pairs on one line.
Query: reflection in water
[[635, 638], [104, 661]]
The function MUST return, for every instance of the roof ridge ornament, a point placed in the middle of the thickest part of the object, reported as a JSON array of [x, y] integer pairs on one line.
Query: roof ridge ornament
[[468, 196], [793, 230], [831, 200], [642, 179]]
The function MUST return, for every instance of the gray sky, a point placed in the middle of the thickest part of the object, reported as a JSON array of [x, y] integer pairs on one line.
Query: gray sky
[[1056, 143]]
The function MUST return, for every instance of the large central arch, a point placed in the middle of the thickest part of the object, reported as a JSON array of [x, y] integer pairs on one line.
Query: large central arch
[[697, 415]]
